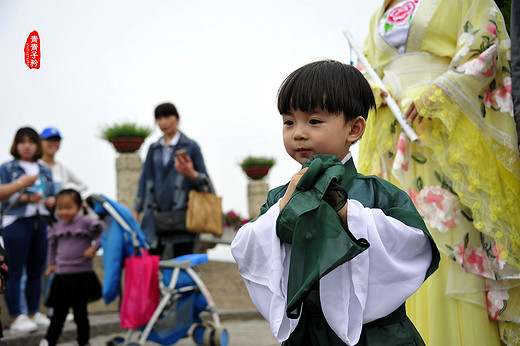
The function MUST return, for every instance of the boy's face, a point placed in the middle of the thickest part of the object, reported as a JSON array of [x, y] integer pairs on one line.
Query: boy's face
[[306, 134]]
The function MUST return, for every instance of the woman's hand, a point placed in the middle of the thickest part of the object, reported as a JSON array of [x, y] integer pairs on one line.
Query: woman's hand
[[412, 114], [50, 269], [383, 95], [89, 252], [292, 186], [184, 165], [135, 214], [26, 180], [31, 198], [49, 202]]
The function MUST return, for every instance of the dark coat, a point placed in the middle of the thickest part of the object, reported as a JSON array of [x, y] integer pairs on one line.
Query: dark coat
[[164, 186]]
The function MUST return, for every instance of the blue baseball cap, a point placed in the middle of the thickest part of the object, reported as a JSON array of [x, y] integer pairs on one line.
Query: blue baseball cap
[[50, 132]]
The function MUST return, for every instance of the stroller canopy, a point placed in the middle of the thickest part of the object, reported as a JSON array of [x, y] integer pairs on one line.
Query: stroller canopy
[[119, 240]]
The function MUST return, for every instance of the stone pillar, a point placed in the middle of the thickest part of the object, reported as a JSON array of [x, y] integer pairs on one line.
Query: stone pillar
[[128, 169], [256, 195]]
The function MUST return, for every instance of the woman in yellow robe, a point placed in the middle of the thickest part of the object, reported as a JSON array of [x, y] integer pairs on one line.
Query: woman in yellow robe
[[447, 65]]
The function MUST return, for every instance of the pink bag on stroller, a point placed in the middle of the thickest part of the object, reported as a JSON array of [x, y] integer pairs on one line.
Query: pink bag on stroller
[[141, 290]]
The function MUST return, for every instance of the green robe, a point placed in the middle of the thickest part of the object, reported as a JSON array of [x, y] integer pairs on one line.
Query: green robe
[[321, 242]]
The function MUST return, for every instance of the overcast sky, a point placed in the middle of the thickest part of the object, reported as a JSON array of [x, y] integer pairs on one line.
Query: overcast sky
[[219, 62]]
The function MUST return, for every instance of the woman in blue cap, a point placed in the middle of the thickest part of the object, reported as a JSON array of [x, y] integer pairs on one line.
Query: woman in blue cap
[[63, 177]]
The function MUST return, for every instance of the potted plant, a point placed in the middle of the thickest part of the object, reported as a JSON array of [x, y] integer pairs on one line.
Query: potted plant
[[233, 220], [257, 167], [126, 137]]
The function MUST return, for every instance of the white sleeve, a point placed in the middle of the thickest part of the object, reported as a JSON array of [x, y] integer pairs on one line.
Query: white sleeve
[[71, 181], [368, 287], [263, 262], [380, 279]]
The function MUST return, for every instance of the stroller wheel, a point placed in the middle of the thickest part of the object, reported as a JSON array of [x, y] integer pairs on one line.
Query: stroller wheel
[[209, 336], [198, 334], [221, 337], [115, 341]]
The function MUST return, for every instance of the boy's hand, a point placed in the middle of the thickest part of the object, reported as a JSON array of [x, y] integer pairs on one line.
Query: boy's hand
[[50, 269], [89, 252], [292, 185], [343, 213]]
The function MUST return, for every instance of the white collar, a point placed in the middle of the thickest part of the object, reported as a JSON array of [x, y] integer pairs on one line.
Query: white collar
[[172, 142], [346, 158]]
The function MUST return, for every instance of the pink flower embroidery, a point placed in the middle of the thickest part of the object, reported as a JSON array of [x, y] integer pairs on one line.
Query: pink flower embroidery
[[476, 261], [402, 156], [413, 195], [503, 95], [492, 29], [489, 99], [439, 208], [400, 14], [496, 298], [483, 65], [459, 252]]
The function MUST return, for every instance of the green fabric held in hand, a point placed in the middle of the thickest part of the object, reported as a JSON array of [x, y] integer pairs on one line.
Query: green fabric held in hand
[[320, 239]]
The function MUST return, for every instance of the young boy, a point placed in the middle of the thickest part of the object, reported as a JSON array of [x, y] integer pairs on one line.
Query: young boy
[[334, 254]]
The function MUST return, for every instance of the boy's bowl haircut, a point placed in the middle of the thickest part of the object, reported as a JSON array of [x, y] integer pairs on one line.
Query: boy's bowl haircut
[[327, 85]]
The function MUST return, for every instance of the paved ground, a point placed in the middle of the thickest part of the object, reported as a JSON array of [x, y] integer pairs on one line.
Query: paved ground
[[245, 328], [253, 332]]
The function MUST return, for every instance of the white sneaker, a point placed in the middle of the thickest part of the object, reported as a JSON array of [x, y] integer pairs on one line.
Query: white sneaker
[[23, 324], [41, 320], [44, 342]]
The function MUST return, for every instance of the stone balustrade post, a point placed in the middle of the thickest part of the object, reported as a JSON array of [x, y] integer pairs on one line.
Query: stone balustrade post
[[256, 195], [128, 170]]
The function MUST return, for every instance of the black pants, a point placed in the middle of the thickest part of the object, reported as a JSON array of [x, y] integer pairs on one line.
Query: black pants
[[79, 308]]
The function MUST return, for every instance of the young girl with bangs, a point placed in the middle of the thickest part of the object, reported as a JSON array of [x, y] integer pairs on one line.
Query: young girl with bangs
[[73, 242]]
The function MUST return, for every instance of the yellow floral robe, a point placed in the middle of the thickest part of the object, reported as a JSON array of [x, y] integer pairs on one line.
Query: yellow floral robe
[[464, 174]]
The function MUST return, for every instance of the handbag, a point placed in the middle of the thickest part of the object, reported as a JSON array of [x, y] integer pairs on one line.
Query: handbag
[[141, 290], [168, 222], [204, 213]]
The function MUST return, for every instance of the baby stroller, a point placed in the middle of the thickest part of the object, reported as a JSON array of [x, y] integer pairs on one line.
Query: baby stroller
[[184, 296]]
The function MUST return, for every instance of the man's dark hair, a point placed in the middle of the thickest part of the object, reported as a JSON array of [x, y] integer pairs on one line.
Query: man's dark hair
[[327, 85], [166, 110]]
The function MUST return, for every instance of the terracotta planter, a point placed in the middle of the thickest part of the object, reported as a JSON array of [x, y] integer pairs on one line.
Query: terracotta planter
[[126, 144], [256, 172]]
